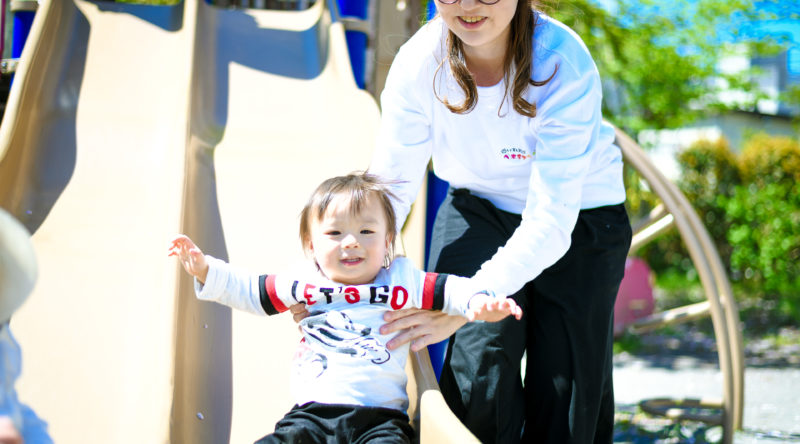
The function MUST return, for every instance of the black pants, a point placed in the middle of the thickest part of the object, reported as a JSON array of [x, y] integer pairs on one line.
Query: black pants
[[566, 330], [316, 423]]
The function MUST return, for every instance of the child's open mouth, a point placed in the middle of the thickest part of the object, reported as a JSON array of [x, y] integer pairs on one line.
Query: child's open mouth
[[352, 261]]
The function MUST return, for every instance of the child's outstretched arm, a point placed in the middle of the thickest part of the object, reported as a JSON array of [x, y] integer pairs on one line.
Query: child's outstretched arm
[[486, 307], [192, 259]]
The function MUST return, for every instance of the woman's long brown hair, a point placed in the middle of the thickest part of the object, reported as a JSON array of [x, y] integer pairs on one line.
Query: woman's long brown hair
[[519, 54]]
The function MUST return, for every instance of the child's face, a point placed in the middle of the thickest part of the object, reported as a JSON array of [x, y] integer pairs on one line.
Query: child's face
[[350, 248]]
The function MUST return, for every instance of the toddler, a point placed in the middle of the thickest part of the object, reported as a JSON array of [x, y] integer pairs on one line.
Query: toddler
[[348, 386]]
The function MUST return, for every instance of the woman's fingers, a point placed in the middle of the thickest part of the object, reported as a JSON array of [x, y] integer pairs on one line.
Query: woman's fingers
[[431, 327], [403, 319], [404, 337], [422, 342], [390, 316], [412, 326]]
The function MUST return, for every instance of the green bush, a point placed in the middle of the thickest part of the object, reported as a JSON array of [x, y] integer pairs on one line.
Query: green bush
[[764, 219], [709, 173], [750, 205], [767, 159], [708, 170], [765, 236]]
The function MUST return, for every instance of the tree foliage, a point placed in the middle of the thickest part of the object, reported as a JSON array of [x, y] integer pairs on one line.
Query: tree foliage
[[660, 61]]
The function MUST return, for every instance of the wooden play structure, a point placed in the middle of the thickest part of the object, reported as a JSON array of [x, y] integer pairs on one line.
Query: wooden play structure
[[676, 211]]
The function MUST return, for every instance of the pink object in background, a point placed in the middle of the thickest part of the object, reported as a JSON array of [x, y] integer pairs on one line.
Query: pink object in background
[[635, 296]]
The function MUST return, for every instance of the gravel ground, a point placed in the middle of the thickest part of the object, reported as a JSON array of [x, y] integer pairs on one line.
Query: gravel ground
[[664, 366]]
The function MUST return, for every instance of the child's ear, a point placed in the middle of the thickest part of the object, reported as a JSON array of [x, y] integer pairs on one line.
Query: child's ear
[[389, 240]]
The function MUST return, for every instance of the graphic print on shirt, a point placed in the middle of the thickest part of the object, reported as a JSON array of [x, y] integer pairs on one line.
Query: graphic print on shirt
[[336, 332], [516, 154], [309, 364]]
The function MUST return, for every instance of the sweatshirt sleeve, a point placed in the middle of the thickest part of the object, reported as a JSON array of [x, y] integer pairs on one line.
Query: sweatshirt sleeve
[[444, 292], [231, 287], [404, 144], [566, 129]]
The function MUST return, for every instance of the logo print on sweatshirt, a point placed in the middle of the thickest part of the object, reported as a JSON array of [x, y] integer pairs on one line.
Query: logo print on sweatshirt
[[335, 331], [516, 154]]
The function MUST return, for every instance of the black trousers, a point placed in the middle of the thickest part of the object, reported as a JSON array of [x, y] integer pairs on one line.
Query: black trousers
[[316, 423], [566, 329]]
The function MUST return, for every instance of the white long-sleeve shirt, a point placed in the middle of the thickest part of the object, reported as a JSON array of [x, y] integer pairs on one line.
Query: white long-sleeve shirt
[[342, 358], [546, 168]]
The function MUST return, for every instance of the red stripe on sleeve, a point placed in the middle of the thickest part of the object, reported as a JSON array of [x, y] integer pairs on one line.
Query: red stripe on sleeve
[[428, 290], [269, 285]]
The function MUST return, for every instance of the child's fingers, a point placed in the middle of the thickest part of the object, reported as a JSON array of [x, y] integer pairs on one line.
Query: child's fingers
[[496, 305], [180, 238], [493, 309], [514, 309], [175, 247], [176, 241], [182, 241]]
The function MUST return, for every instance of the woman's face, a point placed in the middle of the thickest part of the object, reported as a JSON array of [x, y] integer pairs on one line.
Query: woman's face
[[484, 29]]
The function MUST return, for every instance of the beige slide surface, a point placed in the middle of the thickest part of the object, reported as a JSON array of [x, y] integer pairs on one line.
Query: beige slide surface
[[91, 161]]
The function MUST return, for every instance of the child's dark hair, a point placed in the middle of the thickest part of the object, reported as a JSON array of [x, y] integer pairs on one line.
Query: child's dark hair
[[519, 55], [358, 186]]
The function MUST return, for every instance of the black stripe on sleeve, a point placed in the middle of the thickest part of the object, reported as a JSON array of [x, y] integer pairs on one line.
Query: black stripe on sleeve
[[438, 291], [266, 303]]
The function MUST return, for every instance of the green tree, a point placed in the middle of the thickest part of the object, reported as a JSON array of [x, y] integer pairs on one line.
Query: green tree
[[660, 60]]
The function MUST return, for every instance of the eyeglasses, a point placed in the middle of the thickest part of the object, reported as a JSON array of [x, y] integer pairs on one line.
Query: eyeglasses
[[485, 2]]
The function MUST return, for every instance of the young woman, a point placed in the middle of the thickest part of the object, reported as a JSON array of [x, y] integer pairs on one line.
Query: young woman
[[506, 103]]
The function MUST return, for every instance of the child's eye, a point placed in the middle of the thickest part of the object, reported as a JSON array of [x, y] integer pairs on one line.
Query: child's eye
[[367, 231], [333, 233]]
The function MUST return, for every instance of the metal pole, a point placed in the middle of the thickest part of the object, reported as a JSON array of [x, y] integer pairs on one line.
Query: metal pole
[[357, 39], [24, 11]]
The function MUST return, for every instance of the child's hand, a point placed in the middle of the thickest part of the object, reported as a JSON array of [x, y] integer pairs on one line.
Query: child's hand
[[192, 259], [485, 307]]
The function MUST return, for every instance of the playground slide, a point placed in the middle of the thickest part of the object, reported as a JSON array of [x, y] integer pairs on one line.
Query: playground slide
[[127, 124]]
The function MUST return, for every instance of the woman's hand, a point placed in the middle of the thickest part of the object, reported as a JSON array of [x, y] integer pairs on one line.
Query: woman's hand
[[420, 327]]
